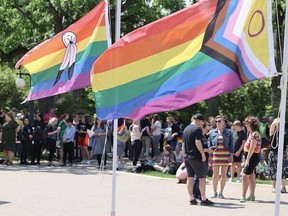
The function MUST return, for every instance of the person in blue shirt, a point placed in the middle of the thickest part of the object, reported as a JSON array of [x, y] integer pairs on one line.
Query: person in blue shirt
[[68, 142]]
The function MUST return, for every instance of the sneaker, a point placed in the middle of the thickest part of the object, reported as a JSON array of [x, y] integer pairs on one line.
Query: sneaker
[[238, 181], [193, 202], [283, 190], [206, 203], [215, 195], [134, 168], [83, 162], [231, 180], [88, 162], [273, 190], [221, 196]]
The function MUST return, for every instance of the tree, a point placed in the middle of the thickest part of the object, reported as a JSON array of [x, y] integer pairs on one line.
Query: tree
[[9, 94], [25, 23]]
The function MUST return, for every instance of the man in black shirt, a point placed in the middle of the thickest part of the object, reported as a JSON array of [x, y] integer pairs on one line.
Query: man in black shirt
[[195, 158]]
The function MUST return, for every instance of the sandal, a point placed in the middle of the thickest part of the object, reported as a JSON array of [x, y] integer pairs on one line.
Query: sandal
[[251, 198], [243, 200]]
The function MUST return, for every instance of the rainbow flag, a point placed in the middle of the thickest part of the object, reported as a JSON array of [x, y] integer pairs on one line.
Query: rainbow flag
[[89, 141], [121, 130], [207, 49], [179, 140], [63, 63]]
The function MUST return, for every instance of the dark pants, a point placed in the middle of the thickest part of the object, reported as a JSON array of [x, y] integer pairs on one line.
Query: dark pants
[[136, 148], [37, 150], [99, 158], [196, 191], [25, 151], [68, 149], [51, 143]]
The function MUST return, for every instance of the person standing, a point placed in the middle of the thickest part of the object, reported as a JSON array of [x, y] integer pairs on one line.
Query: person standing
[[171, 132], [156, 133], [195, 158], [68, 142], [51, 138], [273, 155], [136, 144], [100, 146], [220, 137], [38, 138], [146, 138], [239, 138], [9, 130], [61, 128], [252, 150], [26, 142]]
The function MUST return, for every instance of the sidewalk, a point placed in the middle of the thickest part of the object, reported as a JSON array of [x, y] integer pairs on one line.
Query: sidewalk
[[83, 190]]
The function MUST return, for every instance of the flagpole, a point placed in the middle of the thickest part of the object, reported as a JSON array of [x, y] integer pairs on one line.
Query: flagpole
[[117, 37], [283, 86]]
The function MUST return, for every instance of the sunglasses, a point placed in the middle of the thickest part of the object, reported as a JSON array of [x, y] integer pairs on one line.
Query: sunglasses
[[219, 121]]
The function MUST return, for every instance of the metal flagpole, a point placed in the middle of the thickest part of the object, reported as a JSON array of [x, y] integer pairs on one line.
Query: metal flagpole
[[117, 37], [283, 86]]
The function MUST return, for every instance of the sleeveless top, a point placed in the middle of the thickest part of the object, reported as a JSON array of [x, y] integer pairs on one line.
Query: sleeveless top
[[257, 137]]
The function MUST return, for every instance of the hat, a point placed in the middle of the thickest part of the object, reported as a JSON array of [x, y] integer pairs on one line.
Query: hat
[[199, 116], [19, 116]]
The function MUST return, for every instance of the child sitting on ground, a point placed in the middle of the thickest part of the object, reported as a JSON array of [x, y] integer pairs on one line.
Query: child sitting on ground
[[262, 169]]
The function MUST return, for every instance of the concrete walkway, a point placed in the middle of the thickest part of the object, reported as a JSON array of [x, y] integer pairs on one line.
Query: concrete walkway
[[85, 191]]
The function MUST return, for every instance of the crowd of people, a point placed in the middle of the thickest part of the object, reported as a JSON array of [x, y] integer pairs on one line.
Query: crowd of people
[[242, 149], [237, 146]]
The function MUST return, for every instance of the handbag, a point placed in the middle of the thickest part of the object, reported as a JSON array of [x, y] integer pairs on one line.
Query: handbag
[[124, 138]]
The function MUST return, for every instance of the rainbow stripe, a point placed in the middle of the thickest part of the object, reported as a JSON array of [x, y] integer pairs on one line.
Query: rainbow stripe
[[179, 140], [121, 130], [43, 62], [195, 54]]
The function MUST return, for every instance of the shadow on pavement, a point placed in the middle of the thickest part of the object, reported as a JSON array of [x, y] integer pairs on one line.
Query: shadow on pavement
[[3, 202]]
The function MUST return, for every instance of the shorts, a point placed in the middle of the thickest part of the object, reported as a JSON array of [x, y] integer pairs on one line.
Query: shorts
[[195, 167], [254, 160], [81, 141], [237, 159]]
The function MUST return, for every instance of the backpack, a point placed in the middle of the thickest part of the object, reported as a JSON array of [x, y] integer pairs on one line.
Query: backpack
[[171, 168]]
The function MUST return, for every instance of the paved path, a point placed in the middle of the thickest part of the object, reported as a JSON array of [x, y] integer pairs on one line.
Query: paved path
[[82, 190]]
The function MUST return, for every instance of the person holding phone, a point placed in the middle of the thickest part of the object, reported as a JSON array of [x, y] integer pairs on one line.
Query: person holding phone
[[220, 137]]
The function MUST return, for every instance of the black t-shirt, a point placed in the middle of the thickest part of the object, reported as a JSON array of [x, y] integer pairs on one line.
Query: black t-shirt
[[83, 127], [192, 133], [175, 129], [238, 137], [144, 123]]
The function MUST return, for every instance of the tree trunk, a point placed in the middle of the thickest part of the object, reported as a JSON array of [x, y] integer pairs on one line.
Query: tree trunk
[[275, 94], [213, 106], [46, 103]]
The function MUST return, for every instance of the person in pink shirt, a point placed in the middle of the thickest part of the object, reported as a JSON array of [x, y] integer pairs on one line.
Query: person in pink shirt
[[49, 115]]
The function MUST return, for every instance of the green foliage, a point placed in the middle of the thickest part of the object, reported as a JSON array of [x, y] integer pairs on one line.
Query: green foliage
[[250, 99], [10, 95], [26, 23]]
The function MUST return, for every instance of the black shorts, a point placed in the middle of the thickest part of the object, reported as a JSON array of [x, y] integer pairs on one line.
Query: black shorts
[[237, 159], [254, 160], [195, 167]]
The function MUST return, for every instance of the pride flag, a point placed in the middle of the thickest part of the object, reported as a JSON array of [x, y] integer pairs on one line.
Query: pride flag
[[179, 140], [121, 130], [207, 49], [63, 63]]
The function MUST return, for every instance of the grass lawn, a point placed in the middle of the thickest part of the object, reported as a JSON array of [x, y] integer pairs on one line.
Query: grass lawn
[[162, 175]]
